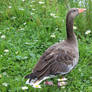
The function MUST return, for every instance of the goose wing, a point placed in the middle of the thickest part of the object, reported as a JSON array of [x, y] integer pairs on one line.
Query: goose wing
[[54, 61]]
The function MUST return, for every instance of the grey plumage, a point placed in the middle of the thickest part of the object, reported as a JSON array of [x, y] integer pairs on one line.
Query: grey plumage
[[61, 57]]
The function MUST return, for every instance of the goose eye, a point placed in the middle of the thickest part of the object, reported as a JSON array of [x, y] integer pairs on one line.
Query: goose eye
[[74, 10]]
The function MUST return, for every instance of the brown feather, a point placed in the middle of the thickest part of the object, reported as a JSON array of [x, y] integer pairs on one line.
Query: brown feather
[[55, 60]]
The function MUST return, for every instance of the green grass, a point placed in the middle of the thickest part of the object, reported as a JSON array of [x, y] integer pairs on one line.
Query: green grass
[[28, 34]]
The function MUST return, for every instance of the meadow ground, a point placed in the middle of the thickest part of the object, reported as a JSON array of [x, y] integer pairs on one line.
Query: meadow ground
[[28, 28]]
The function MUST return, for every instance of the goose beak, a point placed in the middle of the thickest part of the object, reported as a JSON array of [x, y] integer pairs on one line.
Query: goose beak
[[81, 10]]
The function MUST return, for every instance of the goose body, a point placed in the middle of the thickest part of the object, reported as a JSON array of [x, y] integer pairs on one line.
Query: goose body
[[61, 57], [58, 59]]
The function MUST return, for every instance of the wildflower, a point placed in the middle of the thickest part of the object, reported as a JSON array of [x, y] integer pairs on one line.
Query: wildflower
[[5, 84], [6, 50], [4, 73], [3, 37], [33, 9], [31, 5], [36, 86], [24, 88], [10, 7], [62, 83], [40, 2], [1, 55], [32, 13], [53, 15], [74, 27], [25, 23], [16, 52], [21, 28], [53, 36], [62, 79], [23, 0], [88, 32], [22, 9], [56, 29]]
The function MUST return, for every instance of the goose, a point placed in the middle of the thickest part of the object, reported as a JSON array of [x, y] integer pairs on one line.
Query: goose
[[60, 58]]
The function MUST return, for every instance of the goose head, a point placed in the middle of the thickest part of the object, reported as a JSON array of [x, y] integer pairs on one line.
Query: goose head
[[74, 12]]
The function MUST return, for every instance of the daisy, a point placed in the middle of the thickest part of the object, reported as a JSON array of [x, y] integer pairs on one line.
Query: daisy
[[24, 88], [88, 32], [53, 15], [3, 36], [40, 2], [6, 50], [25, 23], [36, 86], [62, 79], [10, 7], [74, 27], [23, 0], [5, 84], [53, 36]]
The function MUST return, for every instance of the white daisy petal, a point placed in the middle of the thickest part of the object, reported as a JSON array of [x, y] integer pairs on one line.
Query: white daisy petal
[[36, 86], [33, 9], [74, 27], [25, 23], [21, 28], [53, 36], [40, 2], [5, 84], [6, 50], [23, 0], [24, 88], [3, 36], [10, 7], [1, 55], [62, 79], [62, 83], [88, 32], [53, 15]]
